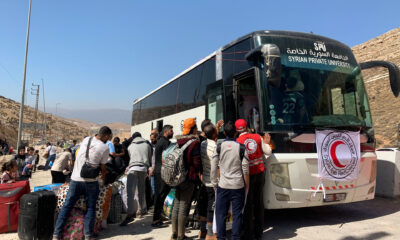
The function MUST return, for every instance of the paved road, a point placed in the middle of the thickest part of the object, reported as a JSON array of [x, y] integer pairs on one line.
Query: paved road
[[374, 219]]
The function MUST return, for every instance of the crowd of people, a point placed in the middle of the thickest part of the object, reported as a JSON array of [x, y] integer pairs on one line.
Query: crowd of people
[[26, 161], [224, 172]]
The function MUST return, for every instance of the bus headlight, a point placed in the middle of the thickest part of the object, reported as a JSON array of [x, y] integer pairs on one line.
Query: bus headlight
[[280, 175], [372, 177]]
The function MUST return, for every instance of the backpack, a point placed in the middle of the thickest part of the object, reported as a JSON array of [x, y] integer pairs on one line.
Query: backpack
[[173, 170]]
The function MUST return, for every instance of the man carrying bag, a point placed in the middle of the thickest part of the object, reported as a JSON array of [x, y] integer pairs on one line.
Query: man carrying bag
[[88, 164]]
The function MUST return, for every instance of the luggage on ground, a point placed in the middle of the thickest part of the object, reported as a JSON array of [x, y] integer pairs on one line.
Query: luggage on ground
[[114, 215], [50, 187], [36, 219], [73, 229], [10, 194]]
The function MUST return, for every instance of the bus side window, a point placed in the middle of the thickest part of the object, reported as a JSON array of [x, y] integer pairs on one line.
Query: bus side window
[[159, 125], [215, 107]]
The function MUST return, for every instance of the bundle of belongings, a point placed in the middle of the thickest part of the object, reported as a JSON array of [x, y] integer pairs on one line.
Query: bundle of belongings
[[74, 227]]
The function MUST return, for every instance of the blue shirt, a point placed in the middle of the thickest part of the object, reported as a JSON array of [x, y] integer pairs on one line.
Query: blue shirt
[[111, 147]]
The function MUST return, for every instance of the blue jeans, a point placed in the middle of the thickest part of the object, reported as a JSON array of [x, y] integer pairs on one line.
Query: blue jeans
[[51, 158], [152, 185], [91, 192], [224, 199]]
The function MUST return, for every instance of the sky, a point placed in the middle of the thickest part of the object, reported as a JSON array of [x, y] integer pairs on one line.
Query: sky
[[98, 54]]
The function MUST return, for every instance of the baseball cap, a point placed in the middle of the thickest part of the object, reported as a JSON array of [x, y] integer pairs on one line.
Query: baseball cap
[[187, 125], [240, 125]]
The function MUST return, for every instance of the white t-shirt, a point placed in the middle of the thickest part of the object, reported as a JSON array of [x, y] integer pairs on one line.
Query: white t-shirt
[[51, 149], [98, 154], [61, 162]]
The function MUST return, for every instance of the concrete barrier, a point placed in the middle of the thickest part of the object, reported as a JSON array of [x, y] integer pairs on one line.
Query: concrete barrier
[[388, 174]]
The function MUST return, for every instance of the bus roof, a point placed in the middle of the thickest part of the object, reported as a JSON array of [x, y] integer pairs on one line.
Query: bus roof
[[250, 35]]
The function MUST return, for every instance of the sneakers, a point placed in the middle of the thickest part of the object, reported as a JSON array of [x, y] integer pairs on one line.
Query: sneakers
[[127, 220]]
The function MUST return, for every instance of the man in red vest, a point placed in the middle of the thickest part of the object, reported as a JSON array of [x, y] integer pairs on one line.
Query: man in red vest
[[254, 208]]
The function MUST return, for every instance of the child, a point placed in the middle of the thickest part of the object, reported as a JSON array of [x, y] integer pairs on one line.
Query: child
[[29, 162], [10, 171]]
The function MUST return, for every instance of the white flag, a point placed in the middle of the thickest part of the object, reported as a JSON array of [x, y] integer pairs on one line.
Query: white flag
[[338, 155]]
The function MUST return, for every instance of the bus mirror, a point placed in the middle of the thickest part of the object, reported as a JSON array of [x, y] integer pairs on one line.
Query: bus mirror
[[394, 73], [271, 55]]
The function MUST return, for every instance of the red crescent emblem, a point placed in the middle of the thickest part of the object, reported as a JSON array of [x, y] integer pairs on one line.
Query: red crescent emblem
[[333, 154], [247, 145]]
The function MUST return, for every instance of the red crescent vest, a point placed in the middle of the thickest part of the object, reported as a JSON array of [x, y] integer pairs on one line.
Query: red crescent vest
[[252, 142]]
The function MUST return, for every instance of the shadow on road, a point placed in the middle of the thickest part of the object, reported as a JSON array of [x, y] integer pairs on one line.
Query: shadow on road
[[283, 224], [138, 227], [371, 236]]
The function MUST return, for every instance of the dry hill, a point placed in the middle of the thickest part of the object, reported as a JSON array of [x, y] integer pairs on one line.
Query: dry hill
[[385, 107], [57, 128], [121, 130]]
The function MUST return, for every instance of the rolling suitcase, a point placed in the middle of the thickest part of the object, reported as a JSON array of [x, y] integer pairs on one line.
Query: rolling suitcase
[[10, 194], [36, 219], [115, 214]]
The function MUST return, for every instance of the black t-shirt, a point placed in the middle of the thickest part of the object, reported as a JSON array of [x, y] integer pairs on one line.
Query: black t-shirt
[[161, 145], [118, 148]]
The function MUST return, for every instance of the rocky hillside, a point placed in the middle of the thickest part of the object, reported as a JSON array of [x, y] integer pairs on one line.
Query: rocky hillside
[[121, 130], [57, 128], [385, 107]]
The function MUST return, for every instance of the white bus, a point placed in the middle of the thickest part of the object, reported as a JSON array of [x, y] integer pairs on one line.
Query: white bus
[[288, 84]]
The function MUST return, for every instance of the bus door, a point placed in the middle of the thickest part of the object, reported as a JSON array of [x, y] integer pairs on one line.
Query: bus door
[[215, 101], [247, 99]]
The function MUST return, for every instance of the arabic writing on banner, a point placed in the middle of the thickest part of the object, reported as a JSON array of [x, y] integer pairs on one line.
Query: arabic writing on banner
[[319, 57], [338, 155]]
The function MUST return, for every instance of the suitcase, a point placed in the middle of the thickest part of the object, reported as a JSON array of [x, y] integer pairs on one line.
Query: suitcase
[[114, 215], [36, 219], [10, 194]]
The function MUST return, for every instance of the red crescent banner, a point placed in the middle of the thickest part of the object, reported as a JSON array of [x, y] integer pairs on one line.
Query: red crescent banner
[[338, 155]]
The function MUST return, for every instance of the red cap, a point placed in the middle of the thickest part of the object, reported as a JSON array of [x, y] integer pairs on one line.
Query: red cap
[[240, 125]]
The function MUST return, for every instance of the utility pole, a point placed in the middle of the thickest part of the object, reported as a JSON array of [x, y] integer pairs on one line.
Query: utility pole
[[21, 110], [35, 91], [56, 129], [44, 114]]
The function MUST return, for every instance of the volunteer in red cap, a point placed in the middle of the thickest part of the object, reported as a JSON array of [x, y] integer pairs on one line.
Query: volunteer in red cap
[[254, 209]]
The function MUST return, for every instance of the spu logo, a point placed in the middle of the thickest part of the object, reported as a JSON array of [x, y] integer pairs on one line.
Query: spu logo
[[319, 46]]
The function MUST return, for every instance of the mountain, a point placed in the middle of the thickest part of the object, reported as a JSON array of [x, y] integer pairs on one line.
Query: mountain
[[384, 106], [56, 128], [121, 130], [99, 116]]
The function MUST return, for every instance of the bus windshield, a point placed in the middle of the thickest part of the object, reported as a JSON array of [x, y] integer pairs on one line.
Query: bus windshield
[[316, 90]]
